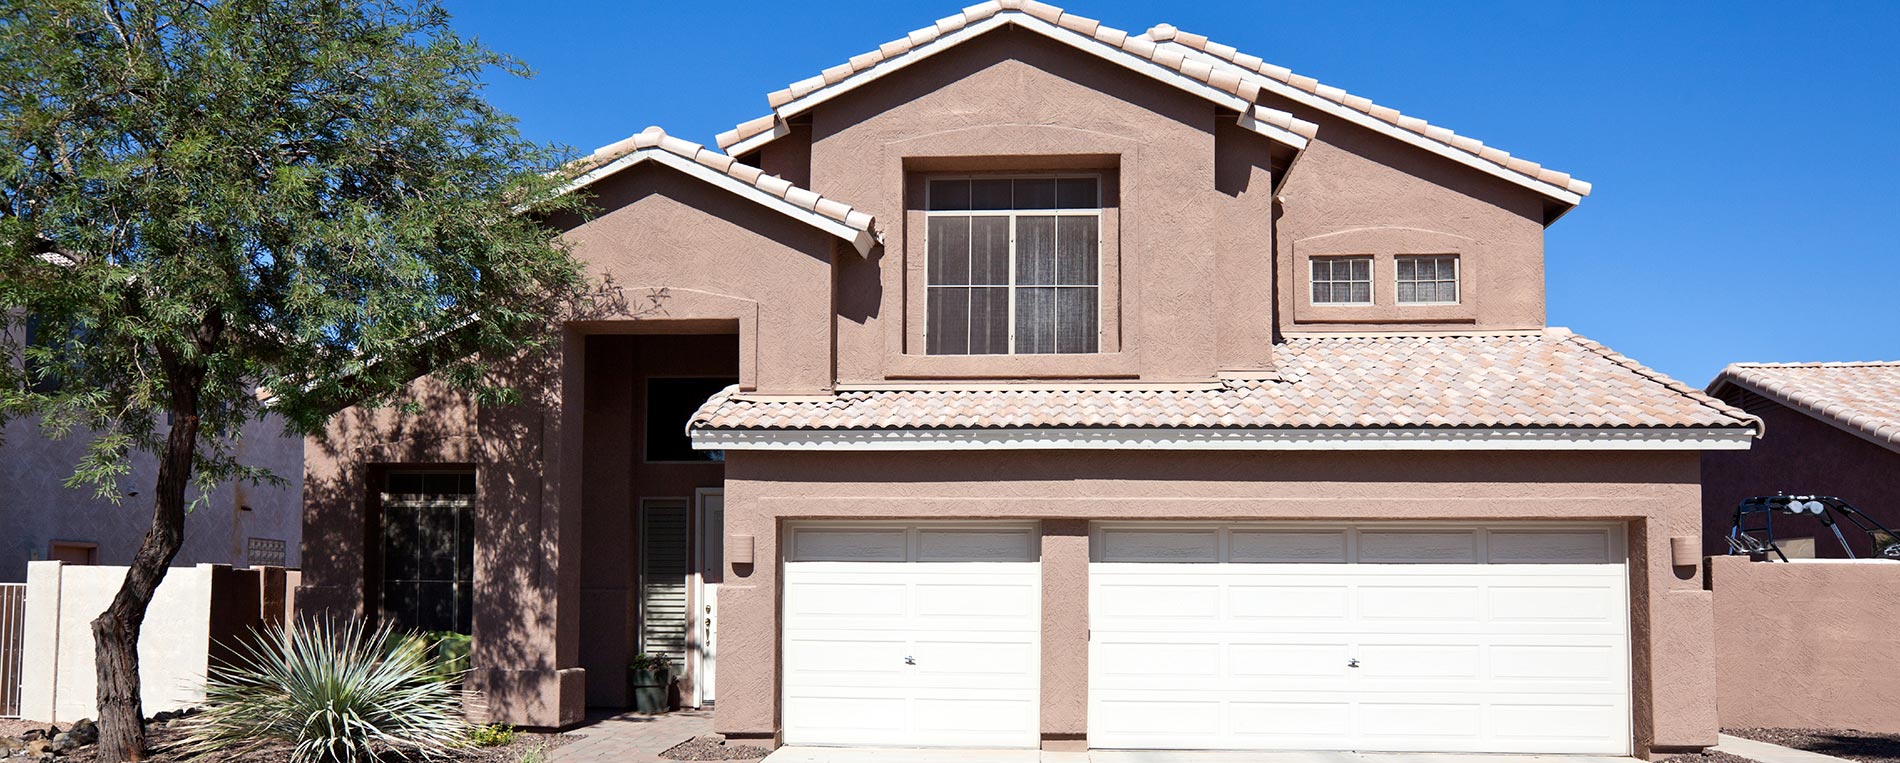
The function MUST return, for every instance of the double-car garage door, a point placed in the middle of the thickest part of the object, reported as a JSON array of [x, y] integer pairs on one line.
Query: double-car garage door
[[1373, 637]]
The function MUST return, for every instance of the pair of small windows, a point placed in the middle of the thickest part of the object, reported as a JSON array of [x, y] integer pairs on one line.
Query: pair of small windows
[[1421, 279]]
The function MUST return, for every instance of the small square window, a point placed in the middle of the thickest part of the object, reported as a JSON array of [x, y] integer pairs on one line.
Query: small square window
[[1342, 280], [1428, 279]]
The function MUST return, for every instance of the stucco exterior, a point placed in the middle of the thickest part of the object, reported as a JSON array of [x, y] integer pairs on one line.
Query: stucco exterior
[[1806, 644], [1799, 455], [1205, 225], [40, 509]]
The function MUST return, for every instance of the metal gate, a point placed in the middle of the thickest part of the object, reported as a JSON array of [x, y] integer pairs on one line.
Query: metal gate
[[12, 634]]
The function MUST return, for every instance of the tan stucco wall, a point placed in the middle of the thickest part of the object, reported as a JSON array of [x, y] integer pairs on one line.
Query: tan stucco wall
[[40, 509], [1350, 178], [674, 257], [1802, 455], [1656, 494], [1807, 644], [1192, 242]]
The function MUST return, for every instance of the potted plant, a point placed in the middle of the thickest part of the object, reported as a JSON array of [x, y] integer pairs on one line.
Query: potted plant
[[648, 679]]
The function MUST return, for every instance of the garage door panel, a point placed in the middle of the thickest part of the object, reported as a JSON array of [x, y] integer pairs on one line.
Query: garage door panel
[[948, 544], [1284, 546], [1454, 653], [1417, 547], [850, 545], [1268, 600], [1140, 546], [841, 597], [1178, 602], [848, 660], [997, 664]]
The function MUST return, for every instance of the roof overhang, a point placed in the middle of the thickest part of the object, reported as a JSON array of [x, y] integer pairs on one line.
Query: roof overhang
[[1275, 125], [1884, 437], [861, 239], [1400, 439]]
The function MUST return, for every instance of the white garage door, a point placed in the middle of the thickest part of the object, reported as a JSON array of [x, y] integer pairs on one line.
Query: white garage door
[[1390, 638], [913, 635]]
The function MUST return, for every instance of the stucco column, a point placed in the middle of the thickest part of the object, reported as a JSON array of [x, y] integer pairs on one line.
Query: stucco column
[[748, 615], [1065, 634], [527, 545], [1681, 630]]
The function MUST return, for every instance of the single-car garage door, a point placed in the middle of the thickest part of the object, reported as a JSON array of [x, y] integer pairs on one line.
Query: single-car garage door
[[913, 635], [1372, 637]]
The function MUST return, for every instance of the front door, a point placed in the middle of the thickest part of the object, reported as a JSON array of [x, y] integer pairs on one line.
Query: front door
[[711, 571]]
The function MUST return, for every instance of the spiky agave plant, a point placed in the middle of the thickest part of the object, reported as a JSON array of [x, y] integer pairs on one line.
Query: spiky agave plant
[[341, 692]]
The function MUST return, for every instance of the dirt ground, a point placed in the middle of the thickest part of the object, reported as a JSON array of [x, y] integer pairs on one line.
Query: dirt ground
[[165, 739], [1863, 746]]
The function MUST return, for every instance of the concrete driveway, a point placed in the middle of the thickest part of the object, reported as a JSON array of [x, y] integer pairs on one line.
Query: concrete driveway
[[888, 755]]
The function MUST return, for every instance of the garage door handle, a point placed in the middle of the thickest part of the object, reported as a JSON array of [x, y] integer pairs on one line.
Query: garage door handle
[[910, 661], [1352, 663]]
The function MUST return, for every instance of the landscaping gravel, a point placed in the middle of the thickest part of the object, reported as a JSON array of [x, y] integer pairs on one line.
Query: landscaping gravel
[[1863, 746], [713, 748], [165, 738], [1710, 756]]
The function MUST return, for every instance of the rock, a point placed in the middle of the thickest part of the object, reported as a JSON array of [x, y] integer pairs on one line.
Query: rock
[[64, 743]]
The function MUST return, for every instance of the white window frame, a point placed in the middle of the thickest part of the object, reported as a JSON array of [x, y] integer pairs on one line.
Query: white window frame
[[1313, 281], [1013, 215], [1457, 278]]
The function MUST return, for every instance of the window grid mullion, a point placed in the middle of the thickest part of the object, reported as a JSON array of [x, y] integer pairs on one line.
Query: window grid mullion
[[1012, 283]]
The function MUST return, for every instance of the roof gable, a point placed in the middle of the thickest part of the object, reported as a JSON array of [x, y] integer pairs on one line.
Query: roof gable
[[1191, 62], [724, 172], [1860, 398], [1133, 52]]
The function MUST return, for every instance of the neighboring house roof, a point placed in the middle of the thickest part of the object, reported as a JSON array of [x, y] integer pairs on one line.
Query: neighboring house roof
[[1405, 387], [1190, 61], [1133, 51], [653, 144], [1359, 110], [1862, 398]]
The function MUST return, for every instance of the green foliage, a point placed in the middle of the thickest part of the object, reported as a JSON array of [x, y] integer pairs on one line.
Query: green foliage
[[451, 653], [493, 735], [202, 200], [645, 661], [341, 693]]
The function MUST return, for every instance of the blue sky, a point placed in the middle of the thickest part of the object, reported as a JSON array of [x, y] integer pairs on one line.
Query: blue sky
[[1744, 154]]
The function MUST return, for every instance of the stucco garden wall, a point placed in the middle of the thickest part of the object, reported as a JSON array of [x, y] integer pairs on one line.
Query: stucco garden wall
[[196, 615], [1807, 644]]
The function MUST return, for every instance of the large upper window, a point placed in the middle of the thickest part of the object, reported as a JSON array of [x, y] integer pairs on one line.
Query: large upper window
[[1013, 265], [429, 550]]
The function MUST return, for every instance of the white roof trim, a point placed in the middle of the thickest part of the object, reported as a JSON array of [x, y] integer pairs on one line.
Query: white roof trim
[[1075, 40], [1383, 127], [862, 240], [1605, 438]]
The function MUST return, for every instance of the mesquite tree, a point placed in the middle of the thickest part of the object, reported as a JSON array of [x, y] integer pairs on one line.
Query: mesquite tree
[[215, 209]]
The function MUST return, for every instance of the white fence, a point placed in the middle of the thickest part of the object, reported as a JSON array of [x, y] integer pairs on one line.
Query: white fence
[[196, 611]]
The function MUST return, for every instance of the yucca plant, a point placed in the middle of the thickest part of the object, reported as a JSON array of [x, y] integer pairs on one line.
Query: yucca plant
[[340, 692]]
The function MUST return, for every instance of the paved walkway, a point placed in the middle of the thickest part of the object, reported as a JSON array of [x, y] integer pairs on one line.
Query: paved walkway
[[631, 737], [1771, 753], [875, 755]]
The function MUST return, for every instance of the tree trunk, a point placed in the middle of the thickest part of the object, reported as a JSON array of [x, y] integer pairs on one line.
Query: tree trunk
[[115, 633]]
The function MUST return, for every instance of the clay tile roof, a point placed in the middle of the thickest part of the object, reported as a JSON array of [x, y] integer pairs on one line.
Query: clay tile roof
[[1253, 65], [1224, 71], [1862, 398], [1092, 35], [654, 143], [1553, 379]]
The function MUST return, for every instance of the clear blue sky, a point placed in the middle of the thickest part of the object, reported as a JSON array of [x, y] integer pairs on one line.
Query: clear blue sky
[[1744, 154]]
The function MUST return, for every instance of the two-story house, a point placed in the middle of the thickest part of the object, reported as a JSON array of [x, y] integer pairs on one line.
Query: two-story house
[[1025, 382]]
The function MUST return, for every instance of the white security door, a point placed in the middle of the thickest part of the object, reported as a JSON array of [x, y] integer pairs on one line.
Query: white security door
[[703, 659], [1390, 638], [923, 635]]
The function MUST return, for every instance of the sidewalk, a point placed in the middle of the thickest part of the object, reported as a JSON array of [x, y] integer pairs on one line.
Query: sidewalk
[[631, 737]]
